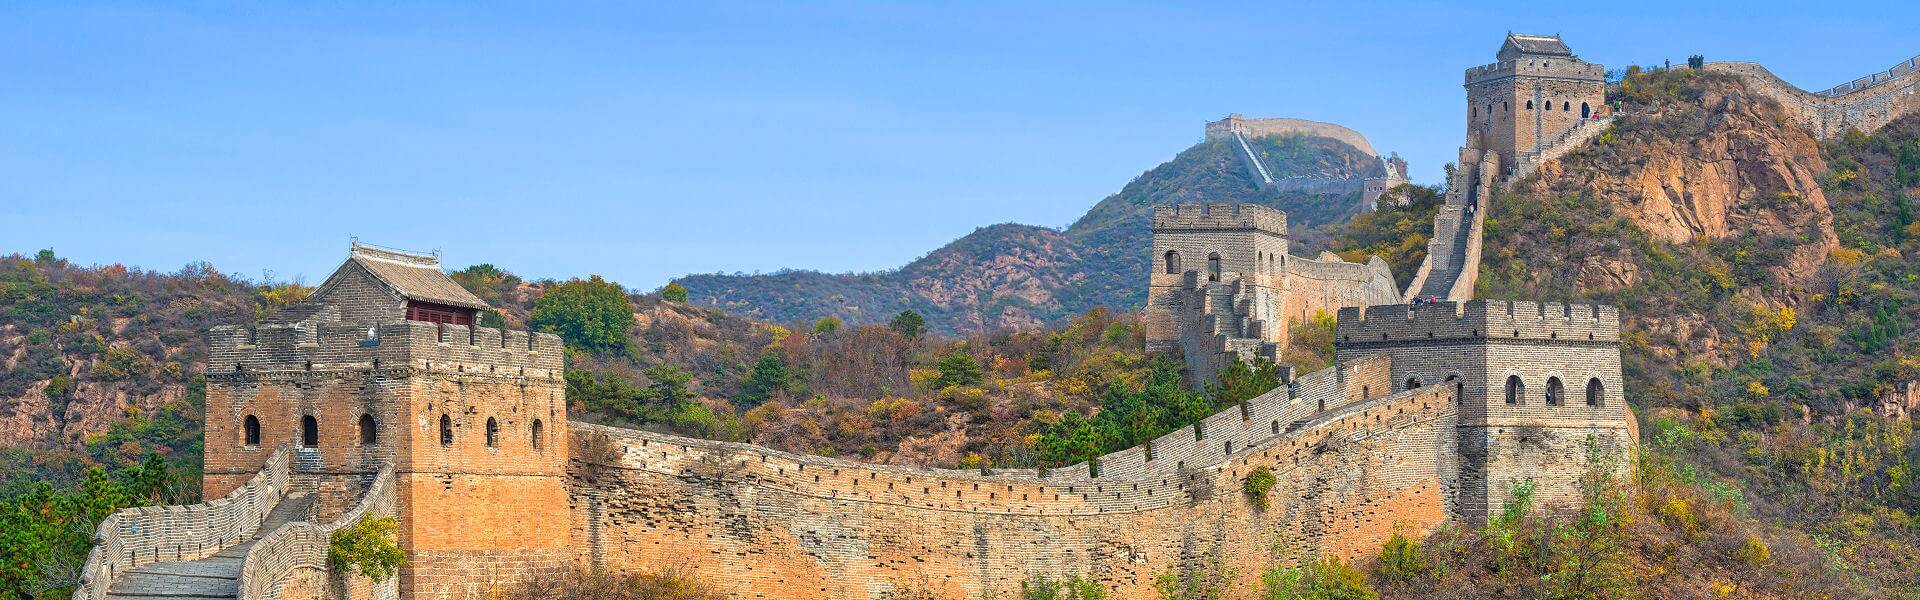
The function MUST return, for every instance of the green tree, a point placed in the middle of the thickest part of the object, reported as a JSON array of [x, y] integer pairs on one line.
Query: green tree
[[956, 369], [45, 255], [770, 376], [591, 314], [909, 323], [1241, 380], [826, 324], [669, 385], [370, 546], [674, 292]]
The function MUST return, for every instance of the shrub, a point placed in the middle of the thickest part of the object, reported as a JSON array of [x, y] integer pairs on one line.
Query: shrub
[[826, 324], [1327, 578], [370, 546], [909, 323], [1039, 587], [673, 292], [1401, 561], [956, 369], [1258, 484], [599, 585]]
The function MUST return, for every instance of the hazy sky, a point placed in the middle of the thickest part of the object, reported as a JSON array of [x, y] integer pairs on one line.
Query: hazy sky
[[646, 141]]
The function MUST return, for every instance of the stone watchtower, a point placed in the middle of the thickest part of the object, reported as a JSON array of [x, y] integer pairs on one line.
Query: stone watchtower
[[1536, 92], [1539, 386], [383, 365], [1214, 285]]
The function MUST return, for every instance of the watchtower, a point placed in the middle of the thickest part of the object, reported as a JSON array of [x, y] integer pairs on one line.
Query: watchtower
[[1213, 288], [1539, 386], [1535, 92], [382, 365]]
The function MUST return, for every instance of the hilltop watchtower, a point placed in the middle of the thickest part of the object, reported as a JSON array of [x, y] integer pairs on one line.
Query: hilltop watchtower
[[1539, 385], [382, 366], [1535, 92]]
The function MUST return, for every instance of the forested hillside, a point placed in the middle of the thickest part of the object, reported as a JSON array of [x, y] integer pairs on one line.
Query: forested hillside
[[1024, 276]]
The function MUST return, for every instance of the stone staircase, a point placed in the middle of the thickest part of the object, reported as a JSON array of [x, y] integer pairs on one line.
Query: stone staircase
[[1448, 257], [1527, 162], [213, 577], [1229, 317]]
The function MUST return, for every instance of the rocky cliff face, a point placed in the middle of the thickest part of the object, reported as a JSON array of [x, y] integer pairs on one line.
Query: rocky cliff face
[[1712, 163]]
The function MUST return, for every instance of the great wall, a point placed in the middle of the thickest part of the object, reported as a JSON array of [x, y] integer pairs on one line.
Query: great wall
[[379, 395]]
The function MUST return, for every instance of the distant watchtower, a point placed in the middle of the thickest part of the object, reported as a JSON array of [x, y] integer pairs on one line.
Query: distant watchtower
[[382, 366], [1214, 287], [1536, 92]]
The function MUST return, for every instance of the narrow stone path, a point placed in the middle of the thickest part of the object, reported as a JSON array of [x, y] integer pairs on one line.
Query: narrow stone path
[[213, 577]]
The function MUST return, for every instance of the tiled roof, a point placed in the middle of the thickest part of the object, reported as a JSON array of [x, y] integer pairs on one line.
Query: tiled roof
[[415, 276], [1539, 44]]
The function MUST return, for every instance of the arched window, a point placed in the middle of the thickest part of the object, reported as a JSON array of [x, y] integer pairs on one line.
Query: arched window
[[538, 443], [1584, 111], [1366, 392], [253, 431], [369, 435], [1556, 393], [1173, 263], [1505, 106], [1413, 383], [1476, 111], [446, 430], [493, 433], [309, 431], [1566, 106], [1515, 389], [1213, 266], [1596, 392], [1529, 107]]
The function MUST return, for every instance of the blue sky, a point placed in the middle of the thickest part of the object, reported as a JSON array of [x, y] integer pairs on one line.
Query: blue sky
[[647, 141]]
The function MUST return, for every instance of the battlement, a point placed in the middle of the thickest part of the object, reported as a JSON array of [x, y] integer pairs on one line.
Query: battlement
[[1216, 217], [1477, 319], [1554, 67], [311, 346]]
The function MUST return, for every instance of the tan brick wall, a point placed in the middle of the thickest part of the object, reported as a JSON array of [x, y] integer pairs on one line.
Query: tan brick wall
[[766, 524]]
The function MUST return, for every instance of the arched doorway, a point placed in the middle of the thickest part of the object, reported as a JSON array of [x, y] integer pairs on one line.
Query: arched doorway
[[1585, 113], [1173, 263], [1213, 266]]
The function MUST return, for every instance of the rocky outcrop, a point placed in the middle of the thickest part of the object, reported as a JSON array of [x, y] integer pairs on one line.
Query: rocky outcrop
[[1727, 164]]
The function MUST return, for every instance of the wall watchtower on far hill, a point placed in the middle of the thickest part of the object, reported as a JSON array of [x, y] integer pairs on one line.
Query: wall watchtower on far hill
[[383, 365]]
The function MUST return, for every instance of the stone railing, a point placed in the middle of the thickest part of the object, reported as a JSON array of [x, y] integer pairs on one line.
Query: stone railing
[[1587, 129], [279, 556], [132, 537]]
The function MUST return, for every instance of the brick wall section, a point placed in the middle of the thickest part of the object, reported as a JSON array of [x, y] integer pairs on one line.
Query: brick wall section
[[1268, 127], [132, 537], [291, 562], [1867, 104], [768, 524]]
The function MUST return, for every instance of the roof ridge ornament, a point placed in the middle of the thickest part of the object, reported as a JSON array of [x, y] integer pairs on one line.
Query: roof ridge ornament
[[395, 255]]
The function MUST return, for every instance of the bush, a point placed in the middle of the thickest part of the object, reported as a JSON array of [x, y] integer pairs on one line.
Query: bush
[[370, 546], [1039, 587], [1401, 561], [958, 369], [674, 292], [909, 323], [1328, 578], [1258, 484]]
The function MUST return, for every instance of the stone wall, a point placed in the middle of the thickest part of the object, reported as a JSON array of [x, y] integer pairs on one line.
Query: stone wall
[[1224, 128], [1518, 106], [291, 562], [1867, 103], [132, 537], [768, 524]]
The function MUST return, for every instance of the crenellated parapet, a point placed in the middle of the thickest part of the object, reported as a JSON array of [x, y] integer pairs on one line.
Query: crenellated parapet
[[284, 350], [1478, 319], [1553, 68], [1212, 217]]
